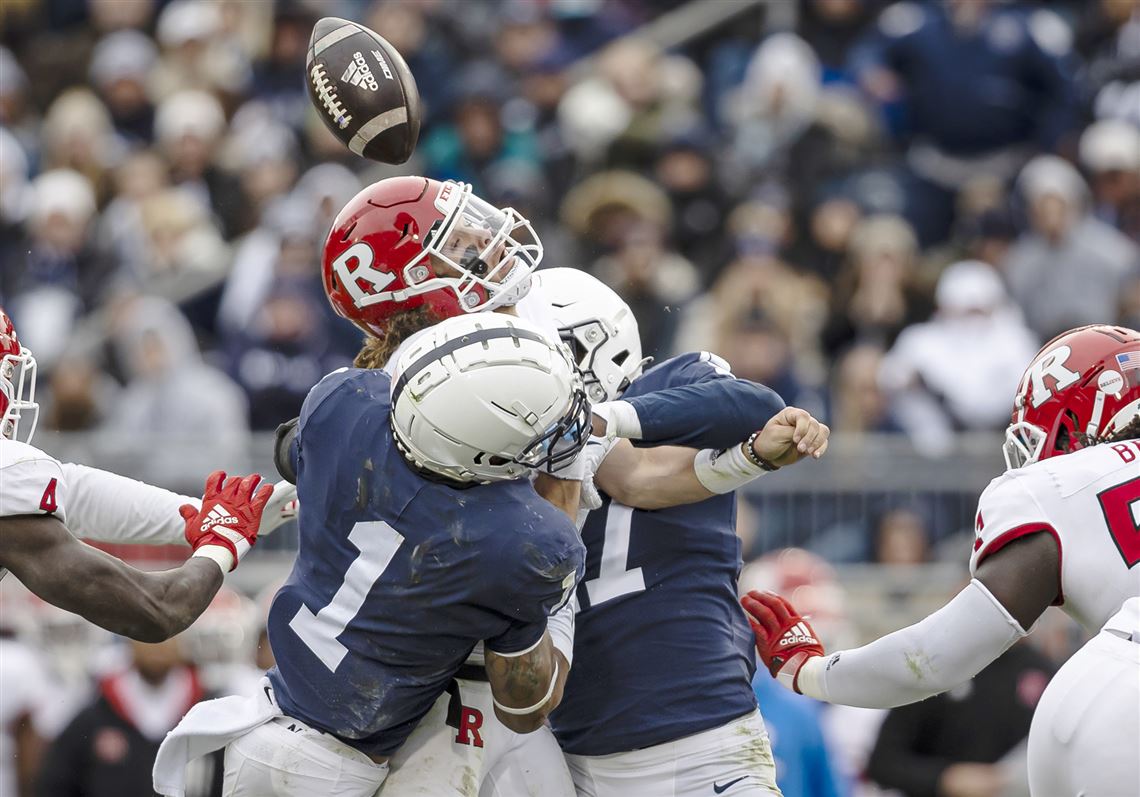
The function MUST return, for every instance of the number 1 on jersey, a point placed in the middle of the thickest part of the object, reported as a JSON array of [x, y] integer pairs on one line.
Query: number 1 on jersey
[[614, 578], [378, 543]]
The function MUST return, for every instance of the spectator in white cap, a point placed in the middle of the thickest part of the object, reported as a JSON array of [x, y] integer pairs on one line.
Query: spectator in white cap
[[1068, 268], [59, 273], [195, 52], [1110, 152], [957, 371], [120, 68], [188, 128]]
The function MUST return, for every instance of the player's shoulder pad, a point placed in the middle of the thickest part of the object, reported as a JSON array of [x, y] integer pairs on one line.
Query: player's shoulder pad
[[346, 388], [14, 452], [1007, 509], [31, 481], [540, 557]]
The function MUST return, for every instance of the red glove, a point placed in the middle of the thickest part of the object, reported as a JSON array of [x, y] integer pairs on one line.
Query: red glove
[[225, 528], [785, 640]]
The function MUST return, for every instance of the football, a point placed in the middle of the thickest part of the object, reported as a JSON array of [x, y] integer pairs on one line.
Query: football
[[363, 90]]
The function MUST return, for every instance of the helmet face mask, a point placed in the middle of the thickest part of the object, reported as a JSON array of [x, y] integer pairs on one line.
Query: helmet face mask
[[1081, 388], [19, 412], [408, 242]]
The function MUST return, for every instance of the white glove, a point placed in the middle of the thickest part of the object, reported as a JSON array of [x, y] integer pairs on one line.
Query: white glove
[[621, 419], [282, 507], [592, 456]]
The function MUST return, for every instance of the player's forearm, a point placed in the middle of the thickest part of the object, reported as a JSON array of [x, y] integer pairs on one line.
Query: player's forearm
[[149, 607], [107, 507], [715, 413], [651, 478], [945, 649]]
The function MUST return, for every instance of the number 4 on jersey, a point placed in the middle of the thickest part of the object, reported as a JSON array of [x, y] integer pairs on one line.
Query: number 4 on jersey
[[48, 503]]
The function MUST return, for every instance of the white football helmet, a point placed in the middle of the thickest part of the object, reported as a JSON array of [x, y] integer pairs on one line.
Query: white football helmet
[[487, 397], [598, 326]]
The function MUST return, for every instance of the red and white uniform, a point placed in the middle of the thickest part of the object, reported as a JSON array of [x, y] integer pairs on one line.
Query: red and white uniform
[[1086, 728], [1089, 502], [31, 482], [92, 503]]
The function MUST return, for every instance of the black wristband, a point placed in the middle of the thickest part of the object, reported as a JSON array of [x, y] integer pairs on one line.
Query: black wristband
[[755, 458]]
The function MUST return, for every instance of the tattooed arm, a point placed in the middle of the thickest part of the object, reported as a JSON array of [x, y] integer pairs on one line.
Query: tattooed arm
[[527, 686]]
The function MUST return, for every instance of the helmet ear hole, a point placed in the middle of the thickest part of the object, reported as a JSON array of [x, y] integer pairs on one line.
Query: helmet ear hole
[[621, 357]]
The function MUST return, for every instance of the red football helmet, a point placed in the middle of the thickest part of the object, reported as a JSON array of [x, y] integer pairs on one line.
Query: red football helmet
[[408, 242], [1083, 385], [17, 376]]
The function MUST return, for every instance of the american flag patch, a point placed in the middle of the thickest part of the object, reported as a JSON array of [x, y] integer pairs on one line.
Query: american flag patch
[[1129, 360]]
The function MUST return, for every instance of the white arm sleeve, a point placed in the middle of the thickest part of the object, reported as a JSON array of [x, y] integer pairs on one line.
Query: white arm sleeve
[[560, 626], [947, 648], [107, 507]]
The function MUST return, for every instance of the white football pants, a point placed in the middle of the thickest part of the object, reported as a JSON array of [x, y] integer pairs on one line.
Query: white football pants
[[475, 755], [1085, 736], [286, 758], [734, 760]]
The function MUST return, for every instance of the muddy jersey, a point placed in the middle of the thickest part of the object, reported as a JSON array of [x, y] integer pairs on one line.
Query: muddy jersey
[[1089, 502], [398, 577]]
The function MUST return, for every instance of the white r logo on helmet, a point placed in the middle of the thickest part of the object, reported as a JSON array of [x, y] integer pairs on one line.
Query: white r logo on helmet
[[351, 273], [1052, 364]]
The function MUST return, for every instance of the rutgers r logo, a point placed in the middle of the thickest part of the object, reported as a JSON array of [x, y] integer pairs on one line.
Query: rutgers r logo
[[470, 721], [354, 269], [1051, 364]]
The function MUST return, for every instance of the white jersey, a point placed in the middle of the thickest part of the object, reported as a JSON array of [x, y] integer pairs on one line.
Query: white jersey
[[1089, 501], [31, 482]]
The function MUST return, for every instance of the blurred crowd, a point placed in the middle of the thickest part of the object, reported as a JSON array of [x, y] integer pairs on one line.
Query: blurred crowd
[[880, 212], [878, 209]]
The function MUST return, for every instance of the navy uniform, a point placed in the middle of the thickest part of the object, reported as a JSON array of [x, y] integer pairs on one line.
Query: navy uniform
[[397, 579], [660, 700]]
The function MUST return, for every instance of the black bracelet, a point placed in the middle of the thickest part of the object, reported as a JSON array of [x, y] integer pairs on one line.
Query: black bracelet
[[755, 458]]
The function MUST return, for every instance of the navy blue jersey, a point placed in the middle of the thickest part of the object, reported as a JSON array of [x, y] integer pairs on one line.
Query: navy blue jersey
[[398, 577], [661, 649]]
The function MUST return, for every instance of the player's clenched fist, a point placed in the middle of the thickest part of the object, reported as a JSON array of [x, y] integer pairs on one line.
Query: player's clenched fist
[[784, 639], [790, 436], [226, 526]]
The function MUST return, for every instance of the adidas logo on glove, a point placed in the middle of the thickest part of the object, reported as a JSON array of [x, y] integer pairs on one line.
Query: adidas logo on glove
[[797, 634], [219, 516]]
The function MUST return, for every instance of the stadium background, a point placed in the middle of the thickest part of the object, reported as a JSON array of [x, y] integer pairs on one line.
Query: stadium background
[[790, 184]]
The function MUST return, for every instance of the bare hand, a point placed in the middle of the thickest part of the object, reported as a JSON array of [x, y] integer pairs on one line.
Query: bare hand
[[971, 780], [790, 436]]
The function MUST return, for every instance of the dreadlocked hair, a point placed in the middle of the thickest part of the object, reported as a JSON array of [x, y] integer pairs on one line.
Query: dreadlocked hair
[[377, 350], [1130, 431]]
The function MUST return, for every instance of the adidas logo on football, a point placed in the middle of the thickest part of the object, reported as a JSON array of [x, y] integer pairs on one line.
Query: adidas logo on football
[[219, 516], [359, 73], [797, 634]]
